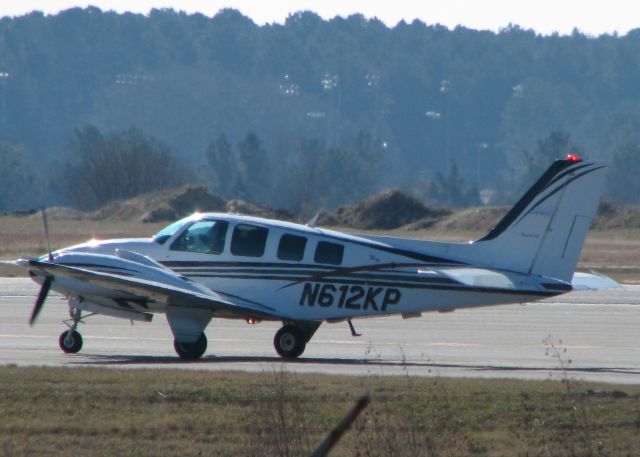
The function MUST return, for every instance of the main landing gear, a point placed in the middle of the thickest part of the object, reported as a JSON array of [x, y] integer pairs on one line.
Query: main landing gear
[[70, 340], [291, 340], [191, 351]]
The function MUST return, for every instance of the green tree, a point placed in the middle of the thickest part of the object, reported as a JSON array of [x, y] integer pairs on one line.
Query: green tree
[[118, 166], [223, 164], [254, 167], [20, 186], [556, 146], [304, 184], [351, 171], [623, 185], [453, 190]]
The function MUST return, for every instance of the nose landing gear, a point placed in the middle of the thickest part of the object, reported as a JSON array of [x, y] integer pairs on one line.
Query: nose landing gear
[[70, 340]]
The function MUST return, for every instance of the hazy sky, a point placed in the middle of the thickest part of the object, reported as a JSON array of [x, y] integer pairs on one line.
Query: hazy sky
[[544, 16]]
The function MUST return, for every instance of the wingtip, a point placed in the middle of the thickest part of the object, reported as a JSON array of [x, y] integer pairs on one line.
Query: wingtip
[[593, 281]]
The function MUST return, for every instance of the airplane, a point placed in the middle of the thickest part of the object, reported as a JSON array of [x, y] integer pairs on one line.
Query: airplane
[[217, 265]]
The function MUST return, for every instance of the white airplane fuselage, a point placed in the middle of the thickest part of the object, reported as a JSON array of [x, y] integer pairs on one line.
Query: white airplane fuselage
[[370, 277], [216, 265]]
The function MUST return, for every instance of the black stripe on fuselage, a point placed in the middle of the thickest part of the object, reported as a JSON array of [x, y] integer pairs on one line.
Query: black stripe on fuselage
[[304, 276], [182, 265], [95, 266], [423, 283], [556, 190], [301, 273], [102, 268], [568, 171], [556, 171], [293, 280]]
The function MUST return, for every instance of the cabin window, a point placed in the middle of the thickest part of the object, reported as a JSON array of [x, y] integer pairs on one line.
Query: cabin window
[[249, 240], [291, 247], [206, 237], [330, 253]]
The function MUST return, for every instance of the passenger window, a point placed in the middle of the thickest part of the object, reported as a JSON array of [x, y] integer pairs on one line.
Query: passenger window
[[331, 253], [291, 247], [206, 237], [249, 240]]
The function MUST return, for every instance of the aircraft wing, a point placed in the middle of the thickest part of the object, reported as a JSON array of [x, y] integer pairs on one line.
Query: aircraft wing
[[157, 291], [479, 277]]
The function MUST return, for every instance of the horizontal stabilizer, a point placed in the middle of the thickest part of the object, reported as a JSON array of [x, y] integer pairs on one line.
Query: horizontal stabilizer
[[592, 281], [479, 277]]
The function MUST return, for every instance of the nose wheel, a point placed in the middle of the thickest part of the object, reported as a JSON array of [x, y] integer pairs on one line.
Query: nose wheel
[[70, 342]]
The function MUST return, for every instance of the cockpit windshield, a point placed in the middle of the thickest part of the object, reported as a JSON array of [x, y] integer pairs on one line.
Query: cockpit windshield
[[163, 235]]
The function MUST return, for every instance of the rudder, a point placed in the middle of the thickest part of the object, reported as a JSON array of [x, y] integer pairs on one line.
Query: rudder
[[544, 232]]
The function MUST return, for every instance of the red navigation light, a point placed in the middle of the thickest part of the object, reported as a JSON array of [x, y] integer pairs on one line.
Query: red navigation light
[[573, 158]]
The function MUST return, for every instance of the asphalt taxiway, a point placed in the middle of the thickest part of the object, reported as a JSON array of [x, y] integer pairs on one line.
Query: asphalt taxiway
[[592, 336]]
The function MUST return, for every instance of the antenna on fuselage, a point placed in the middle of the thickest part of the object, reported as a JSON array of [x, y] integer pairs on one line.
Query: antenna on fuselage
[[46, 233], [352, 328], [312, 222]]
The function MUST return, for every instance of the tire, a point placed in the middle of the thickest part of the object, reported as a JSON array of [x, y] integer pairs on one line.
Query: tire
[[290, 342], [191, 351], [70, 344]]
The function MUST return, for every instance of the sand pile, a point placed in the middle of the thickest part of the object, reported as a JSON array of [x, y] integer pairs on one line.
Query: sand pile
[[387, 210]]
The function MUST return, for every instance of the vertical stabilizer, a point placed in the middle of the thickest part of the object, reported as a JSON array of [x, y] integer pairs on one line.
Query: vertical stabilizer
[[544, 232]]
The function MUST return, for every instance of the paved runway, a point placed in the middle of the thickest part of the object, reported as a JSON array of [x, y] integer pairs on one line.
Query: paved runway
[[594, 335]]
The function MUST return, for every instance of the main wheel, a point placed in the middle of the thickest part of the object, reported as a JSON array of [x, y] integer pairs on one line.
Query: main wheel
[[191, 351], [70, 342], [290, 342]]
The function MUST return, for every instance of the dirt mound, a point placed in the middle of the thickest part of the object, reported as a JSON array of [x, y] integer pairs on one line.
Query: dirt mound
[[252, 209], [480, 219], [191, 200], [162, 206], [387, 210], [611, 216], [177, 203]]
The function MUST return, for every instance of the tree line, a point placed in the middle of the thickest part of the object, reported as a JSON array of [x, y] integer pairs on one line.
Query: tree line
[[417, 106], [102, 167]]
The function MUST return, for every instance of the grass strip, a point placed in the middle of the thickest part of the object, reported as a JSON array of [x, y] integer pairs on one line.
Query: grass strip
[[108, 412]]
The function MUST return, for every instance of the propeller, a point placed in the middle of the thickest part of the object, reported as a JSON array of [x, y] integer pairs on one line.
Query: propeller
[[42, 296], [46, 233], [46, 285]]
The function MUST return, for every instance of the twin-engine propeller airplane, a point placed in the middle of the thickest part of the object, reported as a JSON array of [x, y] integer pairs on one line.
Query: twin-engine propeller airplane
[[216, 265]]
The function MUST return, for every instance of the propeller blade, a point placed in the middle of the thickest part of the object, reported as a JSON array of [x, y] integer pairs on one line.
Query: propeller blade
[[46, 233], [44, 291]]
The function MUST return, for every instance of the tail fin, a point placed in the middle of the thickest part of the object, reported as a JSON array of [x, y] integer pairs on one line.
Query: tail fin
[[544, 232]]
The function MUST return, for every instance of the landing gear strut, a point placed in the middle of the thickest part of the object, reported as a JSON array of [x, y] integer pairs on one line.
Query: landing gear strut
[[191, 351], [70, 340]]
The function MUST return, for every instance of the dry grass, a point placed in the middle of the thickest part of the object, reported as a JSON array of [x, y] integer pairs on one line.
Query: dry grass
[[104, 412]]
